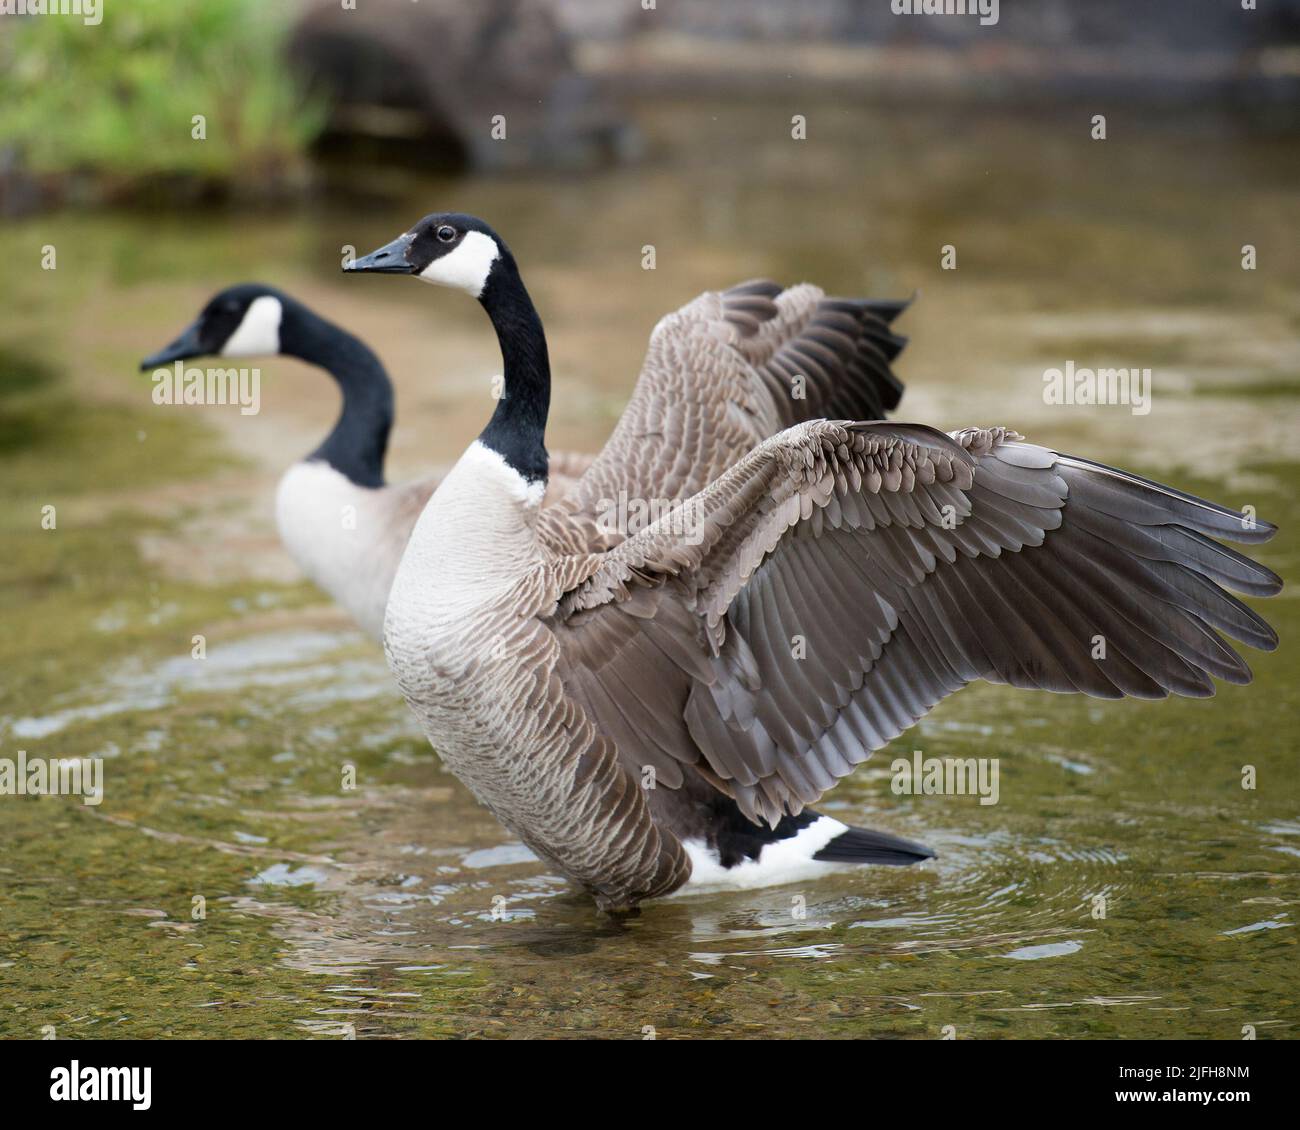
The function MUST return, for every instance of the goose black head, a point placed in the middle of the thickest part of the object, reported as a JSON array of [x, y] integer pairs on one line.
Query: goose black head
[[241, 321], [445, 248]]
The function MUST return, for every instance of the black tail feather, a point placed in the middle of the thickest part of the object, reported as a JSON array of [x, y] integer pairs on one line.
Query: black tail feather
[[863, 845]]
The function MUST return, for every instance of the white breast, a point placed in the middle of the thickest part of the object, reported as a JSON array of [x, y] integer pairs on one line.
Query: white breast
[[476, 537], [454, 631], [340, 536]]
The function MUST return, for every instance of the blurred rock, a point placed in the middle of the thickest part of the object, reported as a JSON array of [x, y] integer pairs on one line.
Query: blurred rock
[[20, 192], [1174, 49], [1220, 25], [425, 82]]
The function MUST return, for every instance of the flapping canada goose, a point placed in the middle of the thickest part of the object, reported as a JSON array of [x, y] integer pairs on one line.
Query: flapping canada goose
[[638, 713], [343, 525]]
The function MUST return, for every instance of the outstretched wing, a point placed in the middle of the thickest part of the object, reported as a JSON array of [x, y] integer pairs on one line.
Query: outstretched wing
[[720, 375], [831, 588]]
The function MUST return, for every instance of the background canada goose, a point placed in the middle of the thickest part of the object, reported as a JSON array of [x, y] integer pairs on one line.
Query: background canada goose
[[344, 526], [557, 679]]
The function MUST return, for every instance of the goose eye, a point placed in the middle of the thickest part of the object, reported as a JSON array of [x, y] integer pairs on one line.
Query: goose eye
[[446, 233]]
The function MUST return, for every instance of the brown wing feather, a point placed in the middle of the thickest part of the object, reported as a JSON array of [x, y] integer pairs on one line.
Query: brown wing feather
[[843, 578], [719, 377]]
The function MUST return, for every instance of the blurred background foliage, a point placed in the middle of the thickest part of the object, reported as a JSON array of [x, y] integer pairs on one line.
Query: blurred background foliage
[[293, 89], [119, 104]]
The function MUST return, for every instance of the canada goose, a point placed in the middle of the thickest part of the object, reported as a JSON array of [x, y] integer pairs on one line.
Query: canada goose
[[343, 525], [639, 714]]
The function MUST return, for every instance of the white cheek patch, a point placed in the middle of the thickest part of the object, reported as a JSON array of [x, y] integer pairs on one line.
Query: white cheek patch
[[259, 333], [467, 267]]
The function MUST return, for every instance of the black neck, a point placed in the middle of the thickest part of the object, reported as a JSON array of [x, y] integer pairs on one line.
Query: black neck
[[517, 429], [359, 441]]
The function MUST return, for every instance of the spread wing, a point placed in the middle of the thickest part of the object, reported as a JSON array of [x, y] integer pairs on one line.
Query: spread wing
[[830, 589], [720, 375]]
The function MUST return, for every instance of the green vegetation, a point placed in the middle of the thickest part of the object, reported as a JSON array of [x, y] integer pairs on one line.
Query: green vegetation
[[118, 100]]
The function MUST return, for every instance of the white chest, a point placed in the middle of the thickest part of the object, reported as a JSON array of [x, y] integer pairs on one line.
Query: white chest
[[337, 533], [475, 538], [453, 632]]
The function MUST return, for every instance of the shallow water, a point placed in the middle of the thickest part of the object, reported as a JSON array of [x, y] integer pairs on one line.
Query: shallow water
[[399, 908]]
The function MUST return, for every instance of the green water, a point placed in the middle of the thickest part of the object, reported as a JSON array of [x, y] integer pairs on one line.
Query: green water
[[398, 908]]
